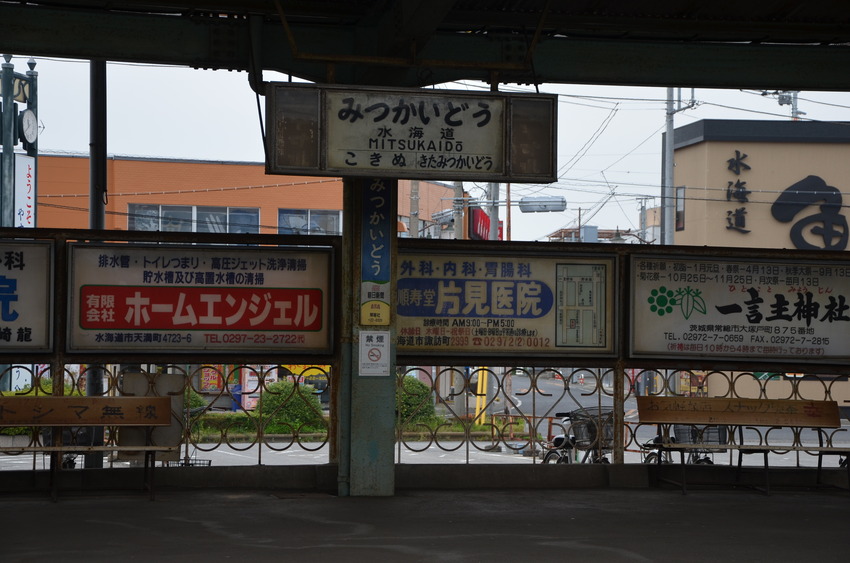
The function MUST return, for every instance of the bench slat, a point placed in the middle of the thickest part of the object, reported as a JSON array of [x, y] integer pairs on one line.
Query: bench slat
[[753, 412], [48, 410]]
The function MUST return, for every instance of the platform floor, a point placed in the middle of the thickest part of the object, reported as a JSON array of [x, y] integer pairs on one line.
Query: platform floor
[[599, 525]]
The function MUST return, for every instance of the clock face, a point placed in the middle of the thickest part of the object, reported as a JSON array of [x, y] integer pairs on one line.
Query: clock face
[[29, 126]]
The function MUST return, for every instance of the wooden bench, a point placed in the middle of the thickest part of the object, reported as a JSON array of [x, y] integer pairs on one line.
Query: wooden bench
[[63, 413], [736, 415]]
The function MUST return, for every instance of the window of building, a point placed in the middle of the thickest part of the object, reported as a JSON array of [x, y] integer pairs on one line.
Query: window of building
[[193, 219], [309, 222], [680, 208]]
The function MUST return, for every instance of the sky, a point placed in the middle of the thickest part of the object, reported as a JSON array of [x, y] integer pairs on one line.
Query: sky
[[609, 137]]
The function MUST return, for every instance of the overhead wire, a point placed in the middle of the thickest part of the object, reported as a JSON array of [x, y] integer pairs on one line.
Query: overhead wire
[[614, 104]]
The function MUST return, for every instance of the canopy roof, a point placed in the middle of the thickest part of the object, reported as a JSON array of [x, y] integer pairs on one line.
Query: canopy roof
[[780, 44]]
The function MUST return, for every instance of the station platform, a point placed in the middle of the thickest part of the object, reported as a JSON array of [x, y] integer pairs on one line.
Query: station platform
[[596, 524]]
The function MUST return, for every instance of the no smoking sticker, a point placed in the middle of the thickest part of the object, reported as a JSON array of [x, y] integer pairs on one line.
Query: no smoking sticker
[[375, 353]]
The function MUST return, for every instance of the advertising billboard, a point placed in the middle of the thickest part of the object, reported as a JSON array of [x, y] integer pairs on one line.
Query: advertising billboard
[[26, 296], [190, 298], [725, 309], [496, 305]]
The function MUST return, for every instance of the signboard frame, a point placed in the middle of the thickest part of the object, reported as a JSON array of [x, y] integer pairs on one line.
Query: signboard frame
[[246, 344], [305, 135], [528, 338], [694, 297], [46, 342]]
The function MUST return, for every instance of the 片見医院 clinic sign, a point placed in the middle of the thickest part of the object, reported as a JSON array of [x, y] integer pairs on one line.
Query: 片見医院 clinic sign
[[190, 298], [427, 134], [497, 305], [725, 310]]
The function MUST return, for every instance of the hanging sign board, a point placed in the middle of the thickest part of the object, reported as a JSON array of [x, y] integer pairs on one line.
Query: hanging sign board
[[725, 310], [398, 133], [496, 305], [189, 298]]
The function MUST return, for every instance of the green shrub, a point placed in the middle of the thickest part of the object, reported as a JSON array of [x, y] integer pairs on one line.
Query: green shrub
[[45, 388], [15, 430], [413, 401], [290, 409], [193, 398], [221, 423]]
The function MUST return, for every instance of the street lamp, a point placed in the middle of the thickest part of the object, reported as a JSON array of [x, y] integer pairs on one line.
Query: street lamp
[[17, 126]]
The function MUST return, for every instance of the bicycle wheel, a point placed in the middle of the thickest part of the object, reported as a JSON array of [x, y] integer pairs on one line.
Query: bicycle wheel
[[554, 456], [651, 457]]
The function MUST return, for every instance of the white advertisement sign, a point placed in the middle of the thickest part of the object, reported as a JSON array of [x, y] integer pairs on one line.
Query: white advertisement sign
[[26, 296], [496, 304], [721, 309], [189, 298], [24, 191]]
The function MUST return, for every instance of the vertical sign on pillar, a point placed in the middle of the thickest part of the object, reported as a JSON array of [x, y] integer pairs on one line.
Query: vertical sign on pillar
[[375, 267], [24, 191]]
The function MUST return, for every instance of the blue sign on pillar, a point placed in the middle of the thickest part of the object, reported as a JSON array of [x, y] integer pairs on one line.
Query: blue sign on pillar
[[375, 268]]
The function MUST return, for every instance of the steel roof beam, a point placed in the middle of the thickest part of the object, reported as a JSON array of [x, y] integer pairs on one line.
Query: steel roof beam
[[205, 41]]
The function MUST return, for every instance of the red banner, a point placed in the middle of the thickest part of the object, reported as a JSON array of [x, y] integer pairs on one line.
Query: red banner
[[202, 308]]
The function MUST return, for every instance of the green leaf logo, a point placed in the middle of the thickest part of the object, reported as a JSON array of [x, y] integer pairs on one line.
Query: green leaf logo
[[690, 300]]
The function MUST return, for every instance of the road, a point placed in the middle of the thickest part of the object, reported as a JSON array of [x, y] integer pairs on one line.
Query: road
[[417, 452]]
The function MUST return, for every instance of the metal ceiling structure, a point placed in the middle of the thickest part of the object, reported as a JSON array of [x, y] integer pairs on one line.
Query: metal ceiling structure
[[780, 44]]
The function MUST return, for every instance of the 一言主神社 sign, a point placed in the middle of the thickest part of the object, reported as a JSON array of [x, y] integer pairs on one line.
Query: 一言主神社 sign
[[723, 309]]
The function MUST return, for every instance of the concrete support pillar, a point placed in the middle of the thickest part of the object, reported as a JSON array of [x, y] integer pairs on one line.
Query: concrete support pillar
[[367, 394]]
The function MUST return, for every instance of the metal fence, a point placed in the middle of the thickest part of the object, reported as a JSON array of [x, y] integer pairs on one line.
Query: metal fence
[[284, 414], [472, 411], [244, 413]]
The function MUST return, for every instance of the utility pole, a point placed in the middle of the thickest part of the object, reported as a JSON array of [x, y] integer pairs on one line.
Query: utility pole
[[493, 189], [458, 210], [667, 202], [642, 219], [790, 98], [668, 197], [414, 209], [508, 211]]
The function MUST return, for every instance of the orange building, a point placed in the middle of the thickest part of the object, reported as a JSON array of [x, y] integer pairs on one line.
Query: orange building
[[203, 196]]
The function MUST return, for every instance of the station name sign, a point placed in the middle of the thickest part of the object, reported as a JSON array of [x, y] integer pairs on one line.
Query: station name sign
[[419, 134]]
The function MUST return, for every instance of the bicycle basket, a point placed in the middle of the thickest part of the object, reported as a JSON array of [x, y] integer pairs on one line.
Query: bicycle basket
[[700, 434], [593, 428]]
